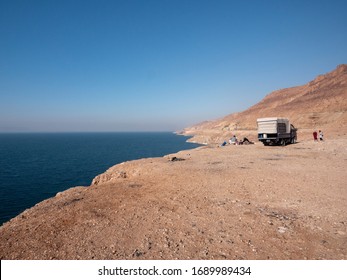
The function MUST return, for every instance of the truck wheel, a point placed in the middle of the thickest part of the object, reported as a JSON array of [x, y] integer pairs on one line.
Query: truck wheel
[[283, 142], [293, 140]]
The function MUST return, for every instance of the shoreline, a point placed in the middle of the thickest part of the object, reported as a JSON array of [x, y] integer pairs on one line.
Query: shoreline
[[38, 136], [213, 203]]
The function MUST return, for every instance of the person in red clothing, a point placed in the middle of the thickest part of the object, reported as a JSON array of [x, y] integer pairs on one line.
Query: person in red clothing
[[315, 136]]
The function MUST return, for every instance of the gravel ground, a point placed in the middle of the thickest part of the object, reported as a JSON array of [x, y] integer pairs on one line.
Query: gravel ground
[[232, 202]]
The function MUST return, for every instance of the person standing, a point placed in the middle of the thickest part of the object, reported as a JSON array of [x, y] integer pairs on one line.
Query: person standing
[[315, 136], [321, 135]]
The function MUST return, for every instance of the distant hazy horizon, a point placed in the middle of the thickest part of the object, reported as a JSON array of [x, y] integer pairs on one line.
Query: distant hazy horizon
[[86, 132], [104, 66]]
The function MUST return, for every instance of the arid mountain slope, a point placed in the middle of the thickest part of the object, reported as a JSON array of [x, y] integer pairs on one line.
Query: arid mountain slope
[[235, 202], [232, 202], [320, 104]]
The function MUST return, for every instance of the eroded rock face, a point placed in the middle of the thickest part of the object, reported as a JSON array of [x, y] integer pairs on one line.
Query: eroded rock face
[[320, 104], [232, 202]]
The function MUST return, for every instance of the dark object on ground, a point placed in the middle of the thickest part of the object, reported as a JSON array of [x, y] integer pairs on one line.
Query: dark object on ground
[[245, 141], [176, 159]]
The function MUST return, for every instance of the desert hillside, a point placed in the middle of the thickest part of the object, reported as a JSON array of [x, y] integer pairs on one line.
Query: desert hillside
[[231, 202], [319, 104]]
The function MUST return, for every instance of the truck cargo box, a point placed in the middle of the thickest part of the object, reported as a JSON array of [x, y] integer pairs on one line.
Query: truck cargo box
[[276, 130]]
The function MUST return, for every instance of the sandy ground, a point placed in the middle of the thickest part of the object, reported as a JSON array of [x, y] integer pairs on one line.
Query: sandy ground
[[232, 202]]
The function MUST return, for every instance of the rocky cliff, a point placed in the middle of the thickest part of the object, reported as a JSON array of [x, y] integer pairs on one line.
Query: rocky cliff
[[232, 202], [319, 104], [235, 202]]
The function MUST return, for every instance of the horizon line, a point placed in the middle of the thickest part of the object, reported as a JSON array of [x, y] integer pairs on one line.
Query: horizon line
[[76, 132]]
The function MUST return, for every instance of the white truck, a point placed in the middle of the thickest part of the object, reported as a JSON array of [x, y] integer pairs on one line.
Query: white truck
[[276, 131]]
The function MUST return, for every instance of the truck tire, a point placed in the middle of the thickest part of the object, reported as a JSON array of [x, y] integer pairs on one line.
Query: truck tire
[[293, 140], [283, 142]]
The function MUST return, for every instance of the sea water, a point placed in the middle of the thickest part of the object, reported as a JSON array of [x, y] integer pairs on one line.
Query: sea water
[[36, 166]]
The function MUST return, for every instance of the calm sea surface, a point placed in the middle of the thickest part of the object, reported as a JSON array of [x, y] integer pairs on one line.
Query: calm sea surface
[[36, 166]]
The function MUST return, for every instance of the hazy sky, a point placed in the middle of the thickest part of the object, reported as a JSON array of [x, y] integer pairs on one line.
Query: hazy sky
[[156, 65]]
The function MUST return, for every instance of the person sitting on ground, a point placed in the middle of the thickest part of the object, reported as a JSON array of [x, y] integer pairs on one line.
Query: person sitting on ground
[[321, 135], [233, 140]]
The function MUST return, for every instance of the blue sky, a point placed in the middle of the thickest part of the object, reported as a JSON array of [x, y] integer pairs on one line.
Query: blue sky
[[156, 65]]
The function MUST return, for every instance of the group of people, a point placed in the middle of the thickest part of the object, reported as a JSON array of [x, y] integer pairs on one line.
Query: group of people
[[318, 134], [234, 141]]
